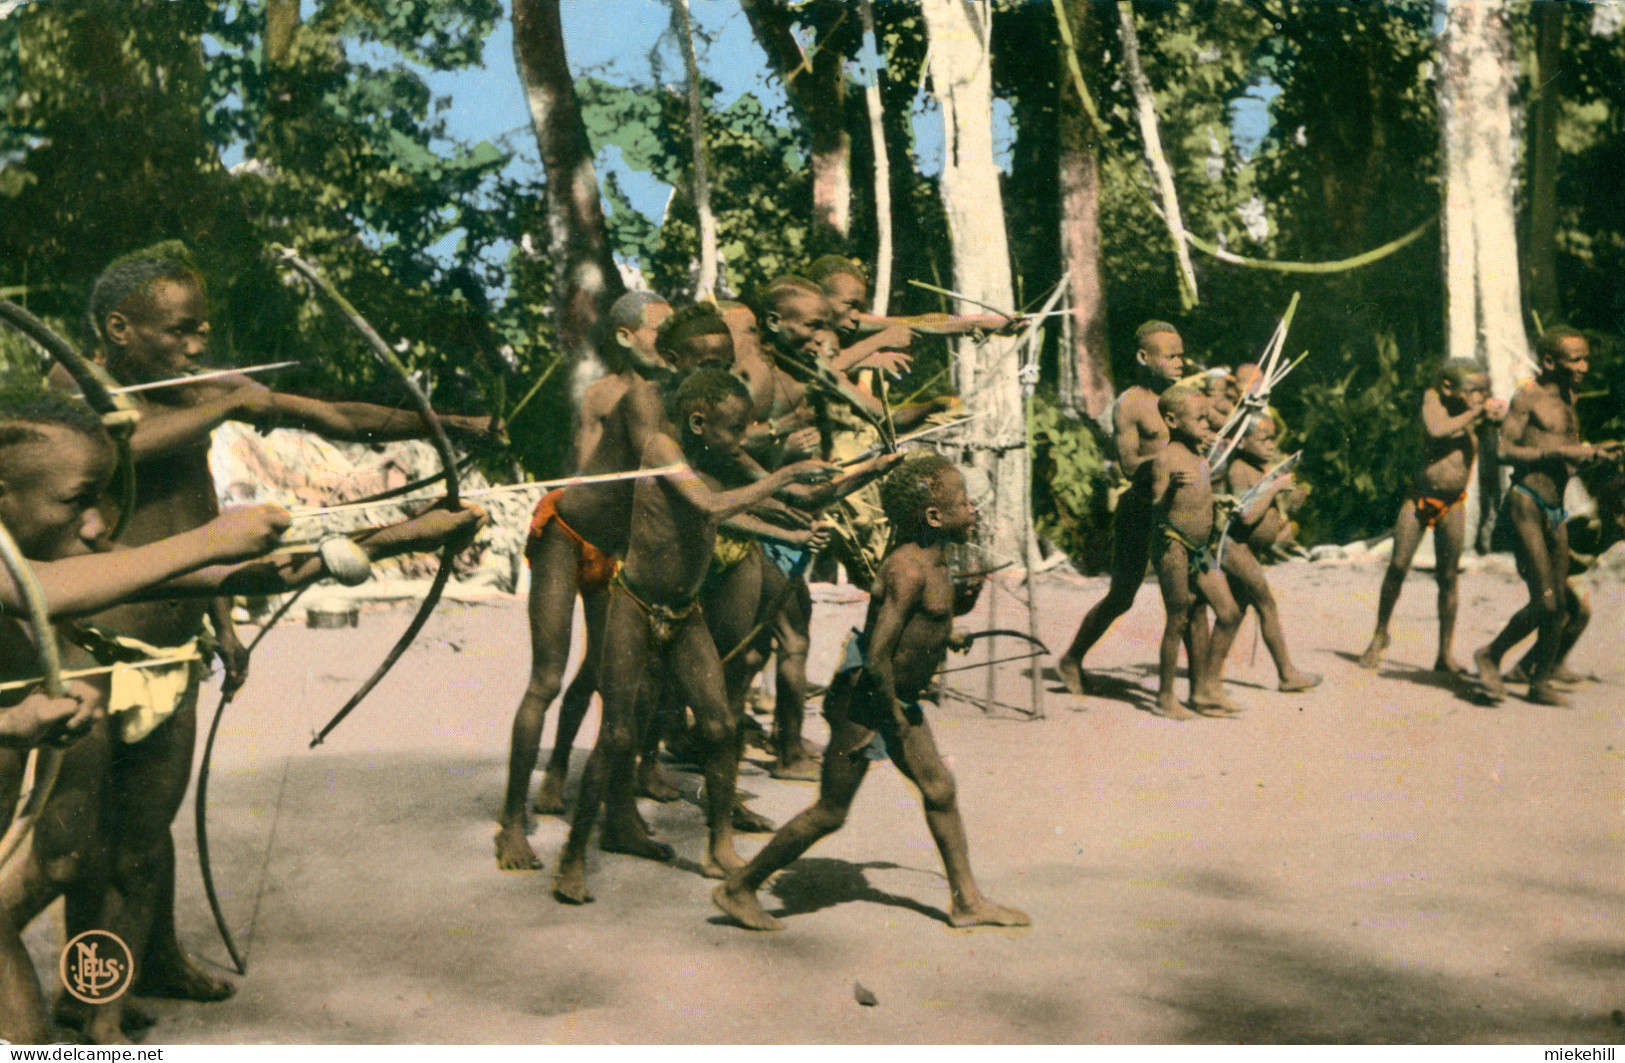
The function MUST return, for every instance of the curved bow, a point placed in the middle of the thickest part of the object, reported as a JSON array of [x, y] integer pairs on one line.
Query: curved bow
[[1039, 649], [45, 761], [442, 444], [119, 413], [200, 809]]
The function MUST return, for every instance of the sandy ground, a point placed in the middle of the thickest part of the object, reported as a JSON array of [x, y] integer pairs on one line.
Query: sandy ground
[[1380, 860]]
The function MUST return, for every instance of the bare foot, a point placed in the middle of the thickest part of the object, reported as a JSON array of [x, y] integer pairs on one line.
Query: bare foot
[[802, 770], [742, 907], [570, 883], [1489, 676], [1544, 693], [513, 850], [73, 1014], [653, 784], [550, 795], [1217, 710], [635, 843], [1562, 674], [1372, 657], [1169, 708], [1448, 666], [106, 1028], [749, 822], [721, 864], [1071, 673], [1299, 681], [180, 978], [986, 913]]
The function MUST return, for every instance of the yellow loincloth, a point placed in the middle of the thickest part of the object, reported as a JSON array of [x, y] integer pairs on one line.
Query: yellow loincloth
[[140, 698]]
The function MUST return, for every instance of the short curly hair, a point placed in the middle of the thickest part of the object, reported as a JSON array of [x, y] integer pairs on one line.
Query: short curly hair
[[127, 283], [909, 489], [823, 268], [1550, 343], [1174, 397], [773, 295], [701, 319], [707, 386], [25, 408]]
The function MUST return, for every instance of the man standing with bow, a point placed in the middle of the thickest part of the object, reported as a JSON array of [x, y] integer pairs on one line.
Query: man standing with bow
[[148, 319]]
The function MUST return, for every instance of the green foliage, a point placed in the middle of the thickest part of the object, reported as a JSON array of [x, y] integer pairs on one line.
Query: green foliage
[[1069, 484], [124, 110], [760, 186], [1360, 435]]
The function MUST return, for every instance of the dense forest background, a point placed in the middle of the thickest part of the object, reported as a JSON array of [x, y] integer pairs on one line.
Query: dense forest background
[[119, 114]]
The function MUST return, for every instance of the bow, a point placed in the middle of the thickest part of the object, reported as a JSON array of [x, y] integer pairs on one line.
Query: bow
[[826, 380], [46, 763], [449, 465], [119, 414], [1254, 493], [448, 462], [1255, 400], [1039, 649]]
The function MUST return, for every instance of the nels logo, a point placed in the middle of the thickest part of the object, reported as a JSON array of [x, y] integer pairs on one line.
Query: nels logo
[[96, 966]]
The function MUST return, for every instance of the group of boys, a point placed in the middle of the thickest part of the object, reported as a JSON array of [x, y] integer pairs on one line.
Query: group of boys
[[1204, 528], [691, 573]]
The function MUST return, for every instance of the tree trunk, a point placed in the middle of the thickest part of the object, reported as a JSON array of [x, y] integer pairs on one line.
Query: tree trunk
[[877, 135], [986, 372], [1540, 259], [1145, 110], [706, 285], [817, 90], [1478, 159], [1084, 361], [585, 280]]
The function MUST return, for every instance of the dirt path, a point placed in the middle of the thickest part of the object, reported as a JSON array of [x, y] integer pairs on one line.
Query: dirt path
[[1379, 860]]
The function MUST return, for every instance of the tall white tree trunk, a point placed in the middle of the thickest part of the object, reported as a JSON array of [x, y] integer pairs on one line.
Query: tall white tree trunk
[[877, 137], [706, 285], [1478, 156], [1145, 110], [986, 373]]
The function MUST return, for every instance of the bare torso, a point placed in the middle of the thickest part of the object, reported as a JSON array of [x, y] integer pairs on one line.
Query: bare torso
[[1549, 421], [1187, 506], [924, 641], [602, 513], [1447, 461]]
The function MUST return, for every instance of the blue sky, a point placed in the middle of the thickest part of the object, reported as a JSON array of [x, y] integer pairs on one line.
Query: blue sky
[[624, 41]]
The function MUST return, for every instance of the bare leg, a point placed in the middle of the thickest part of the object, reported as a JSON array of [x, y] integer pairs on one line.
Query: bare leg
[[67, 849], [1249, 586], [694, 664], [552, 600], [1131, 549], [1544, 608], [922, 765], [1407, 536], [1226, 622], [1578, 619], [622, 670], [652, 781], [1447, 540], [148, 783], [841, 775], [573, 711], [791, 630], [1179, 603]]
